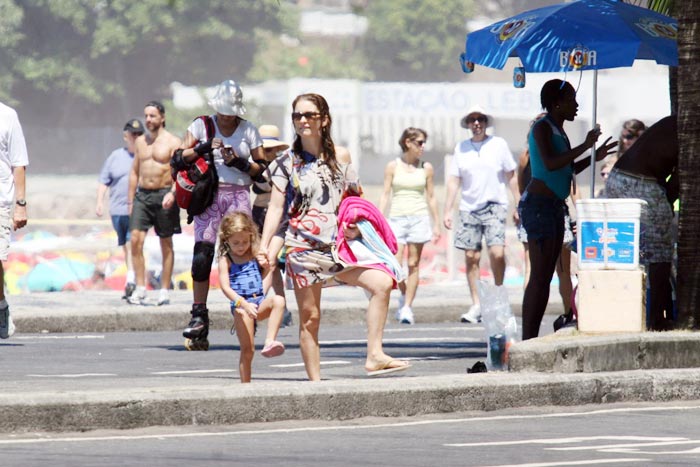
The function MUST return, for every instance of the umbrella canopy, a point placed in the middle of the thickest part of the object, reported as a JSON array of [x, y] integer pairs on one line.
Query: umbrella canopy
[[576, 36], [580, 35]]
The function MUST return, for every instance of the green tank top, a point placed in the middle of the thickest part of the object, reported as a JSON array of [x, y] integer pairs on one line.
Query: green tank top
[[408, 190], [559, 181]]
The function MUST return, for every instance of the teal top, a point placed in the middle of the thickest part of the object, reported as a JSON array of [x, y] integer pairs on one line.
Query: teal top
[[559, 181]]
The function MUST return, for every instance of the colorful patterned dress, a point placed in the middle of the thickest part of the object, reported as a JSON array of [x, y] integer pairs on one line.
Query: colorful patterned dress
[[313, 195]]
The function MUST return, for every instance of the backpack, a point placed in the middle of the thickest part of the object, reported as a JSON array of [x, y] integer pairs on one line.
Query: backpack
[[196, 182]]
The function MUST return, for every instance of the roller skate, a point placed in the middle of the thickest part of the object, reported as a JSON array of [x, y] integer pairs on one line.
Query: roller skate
[[197, 331]]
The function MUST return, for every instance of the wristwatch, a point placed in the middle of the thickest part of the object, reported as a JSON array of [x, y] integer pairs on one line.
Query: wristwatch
[[21, 202]]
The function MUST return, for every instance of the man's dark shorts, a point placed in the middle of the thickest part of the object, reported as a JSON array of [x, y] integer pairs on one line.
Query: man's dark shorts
[[148, 212], [542, 216]]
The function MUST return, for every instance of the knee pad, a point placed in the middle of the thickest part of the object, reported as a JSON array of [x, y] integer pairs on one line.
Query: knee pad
[[202, 260]]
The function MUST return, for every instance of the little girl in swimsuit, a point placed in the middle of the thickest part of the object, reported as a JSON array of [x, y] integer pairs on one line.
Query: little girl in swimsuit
[[241, 279]]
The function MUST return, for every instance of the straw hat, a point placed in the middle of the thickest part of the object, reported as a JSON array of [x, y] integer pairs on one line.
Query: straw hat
[[270, 135], [228, 99]]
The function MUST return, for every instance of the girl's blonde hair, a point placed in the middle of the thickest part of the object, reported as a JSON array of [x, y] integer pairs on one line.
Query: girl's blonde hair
[[238, 222]]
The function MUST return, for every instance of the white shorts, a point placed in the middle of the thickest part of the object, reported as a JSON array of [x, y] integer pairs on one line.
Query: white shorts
[[5, 231], [411, 229]]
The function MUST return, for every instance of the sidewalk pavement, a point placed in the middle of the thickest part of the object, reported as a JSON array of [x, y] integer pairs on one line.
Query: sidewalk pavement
[[563, 369]]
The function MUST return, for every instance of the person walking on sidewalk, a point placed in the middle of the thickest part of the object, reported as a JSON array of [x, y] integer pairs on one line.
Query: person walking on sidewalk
[[238, 156], [152, 201], [542, 210], [408, 186], [484, 168], [262, 187], [114, 177], [315, 175], [241, 277], [13, 167]]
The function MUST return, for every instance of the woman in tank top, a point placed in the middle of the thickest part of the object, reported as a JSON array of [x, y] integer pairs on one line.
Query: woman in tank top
[[408, 183], [553, 163]]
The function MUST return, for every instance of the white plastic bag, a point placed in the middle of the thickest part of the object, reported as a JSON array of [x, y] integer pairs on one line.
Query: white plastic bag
[[499, 323]]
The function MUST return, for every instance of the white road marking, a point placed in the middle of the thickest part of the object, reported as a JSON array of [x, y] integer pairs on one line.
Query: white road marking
[[75, 375], [57, 337], [564, 463], [401, 340], [327, 362], [422, 329], [4, 442], [627, 446], [570, 440], [189, 372]]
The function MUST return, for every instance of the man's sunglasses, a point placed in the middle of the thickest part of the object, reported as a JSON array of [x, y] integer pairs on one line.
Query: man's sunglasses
[[296, 116], [480, 119]]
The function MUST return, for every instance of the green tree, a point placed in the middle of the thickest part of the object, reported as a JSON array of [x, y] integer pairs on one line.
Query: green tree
[[284, 54], [419, 39], [70, 55]]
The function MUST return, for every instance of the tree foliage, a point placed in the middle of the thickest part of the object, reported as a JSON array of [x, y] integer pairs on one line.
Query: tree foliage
[[417, 38], [98, 52]]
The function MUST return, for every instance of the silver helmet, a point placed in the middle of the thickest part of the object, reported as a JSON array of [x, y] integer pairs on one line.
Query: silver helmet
[[228, 99]]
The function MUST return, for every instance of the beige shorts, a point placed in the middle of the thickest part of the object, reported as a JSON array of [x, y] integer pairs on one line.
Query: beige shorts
[[5, 231]]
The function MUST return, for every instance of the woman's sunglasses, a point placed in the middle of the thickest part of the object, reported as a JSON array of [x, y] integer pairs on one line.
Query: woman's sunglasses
[[296, 116]]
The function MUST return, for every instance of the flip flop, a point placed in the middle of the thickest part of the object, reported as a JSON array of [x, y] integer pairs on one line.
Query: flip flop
[[273, 349], [385, 368]]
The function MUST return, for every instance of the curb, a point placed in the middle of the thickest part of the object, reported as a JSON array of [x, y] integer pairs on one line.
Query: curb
[[225, 404], [585, 353], [104, 311]]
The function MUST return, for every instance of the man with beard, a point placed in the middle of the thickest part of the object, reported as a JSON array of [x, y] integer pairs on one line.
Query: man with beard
[[152, 200]]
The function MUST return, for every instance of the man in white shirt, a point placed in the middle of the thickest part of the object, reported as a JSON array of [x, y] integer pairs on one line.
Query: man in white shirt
[[13, 162], [484, 168]]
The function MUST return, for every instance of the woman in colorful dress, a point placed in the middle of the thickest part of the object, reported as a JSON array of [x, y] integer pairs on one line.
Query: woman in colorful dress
[[313, 176]]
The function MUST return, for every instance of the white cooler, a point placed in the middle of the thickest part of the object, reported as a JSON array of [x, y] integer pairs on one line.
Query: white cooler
[[608, 233]]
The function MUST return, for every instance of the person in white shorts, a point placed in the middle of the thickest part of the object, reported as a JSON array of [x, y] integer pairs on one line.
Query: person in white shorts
[[13, 162], [408, 184]]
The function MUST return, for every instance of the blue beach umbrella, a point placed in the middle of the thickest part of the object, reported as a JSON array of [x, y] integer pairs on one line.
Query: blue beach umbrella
[[576, 36]]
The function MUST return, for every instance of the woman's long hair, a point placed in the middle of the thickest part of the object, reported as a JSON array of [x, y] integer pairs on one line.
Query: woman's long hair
[[327, 145]]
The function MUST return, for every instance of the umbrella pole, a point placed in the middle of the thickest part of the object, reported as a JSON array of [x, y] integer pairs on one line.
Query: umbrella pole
[[595, 118]]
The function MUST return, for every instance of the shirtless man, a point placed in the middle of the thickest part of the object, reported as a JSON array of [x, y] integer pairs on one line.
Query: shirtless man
[[648, 171], [153, 204]]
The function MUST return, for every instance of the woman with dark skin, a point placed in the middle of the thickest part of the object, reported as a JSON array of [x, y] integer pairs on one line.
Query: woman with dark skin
[[541, 207]]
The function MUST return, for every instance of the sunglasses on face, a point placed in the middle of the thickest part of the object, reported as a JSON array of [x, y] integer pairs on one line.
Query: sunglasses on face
[[629, 136], [419, 142], [296, 116], [480, 119]]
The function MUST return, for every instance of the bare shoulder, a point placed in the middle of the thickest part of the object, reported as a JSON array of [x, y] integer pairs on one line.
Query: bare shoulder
[[342, 155], [428, 167], [174, 141]]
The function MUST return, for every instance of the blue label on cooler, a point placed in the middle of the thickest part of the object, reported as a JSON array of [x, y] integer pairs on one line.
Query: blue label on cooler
[[616, 242]]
